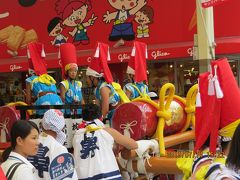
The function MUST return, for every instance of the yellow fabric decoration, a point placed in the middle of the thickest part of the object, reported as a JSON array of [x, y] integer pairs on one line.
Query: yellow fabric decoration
[[92, 127], [201, 173], [185, 165], [229, 130], [45, 79], [67, 67], [120, 92], [220, 160]]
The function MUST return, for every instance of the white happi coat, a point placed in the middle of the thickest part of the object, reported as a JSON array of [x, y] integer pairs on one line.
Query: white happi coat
[[25, 171], [94, 156], [48, 151]]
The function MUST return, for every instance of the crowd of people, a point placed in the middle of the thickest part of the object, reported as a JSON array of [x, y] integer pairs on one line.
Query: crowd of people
[[42, 89]]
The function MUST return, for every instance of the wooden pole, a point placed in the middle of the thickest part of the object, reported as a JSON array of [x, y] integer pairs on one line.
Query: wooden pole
[[170, 141]]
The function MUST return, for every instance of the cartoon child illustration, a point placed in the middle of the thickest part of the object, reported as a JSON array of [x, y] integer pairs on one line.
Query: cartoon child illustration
[[122, 28], [73, 14], [144, 17], [55, 30]]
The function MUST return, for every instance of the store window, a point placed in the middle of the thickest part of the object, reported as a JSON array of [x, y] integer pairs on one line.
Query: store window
[[11, 87], [160, 73], [187, 74]]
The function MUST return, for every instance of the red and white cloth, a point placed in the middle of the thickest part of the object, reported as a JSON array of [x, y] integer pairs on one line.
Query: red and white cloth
[[210, 3], [99, 66], [137, 64], [220, 103], [68, 57], [36, 58]]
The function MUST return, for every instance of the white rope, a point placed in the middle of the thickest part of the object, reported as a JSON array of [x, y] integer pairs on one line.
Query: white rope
[[127, 128]]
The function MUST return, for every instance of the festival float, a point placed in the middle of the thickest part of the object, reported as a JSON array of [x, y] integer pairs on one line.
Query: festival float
[[159, 126]]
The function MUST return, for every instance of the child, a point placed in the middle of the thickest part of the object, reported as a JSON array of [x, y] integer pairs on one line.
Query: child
[[55, 30]]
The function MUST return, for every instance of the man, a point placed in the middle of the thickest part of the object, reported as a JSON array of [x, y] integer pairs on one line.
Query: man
[[93, 147], [53, 160]]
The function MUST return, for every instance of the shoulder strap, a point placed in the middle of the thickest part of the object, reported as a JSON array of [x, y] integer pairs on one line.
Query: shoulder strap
[[66, 84], [133, 85], [12, 170]]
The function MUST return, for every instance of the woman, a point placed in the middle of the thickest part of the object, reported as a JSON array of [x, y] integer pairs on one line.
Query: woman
[[233, 160], [40, 85], [100, 77], [24, 143], [70, 88]]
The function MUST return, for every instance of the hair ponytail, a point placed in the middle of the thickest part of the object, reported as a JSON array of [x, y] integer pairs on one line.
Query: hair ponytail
[[6, 154]]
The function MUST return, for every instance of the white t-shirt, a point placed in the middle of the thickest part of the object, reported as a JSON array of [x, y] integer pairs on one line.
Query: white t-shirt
[[94, 155], [25, 171], [53, 160]]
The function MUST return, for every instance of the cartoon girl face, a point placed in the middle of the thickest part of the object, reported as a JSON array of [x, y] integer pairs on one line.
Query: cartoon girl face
[[142, 18], [76, 17], [123, 4], [56, 31]]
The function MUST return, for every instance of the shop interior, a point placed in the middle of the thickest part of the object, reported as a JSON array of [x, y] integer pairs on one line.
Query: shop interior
[[183, 73]]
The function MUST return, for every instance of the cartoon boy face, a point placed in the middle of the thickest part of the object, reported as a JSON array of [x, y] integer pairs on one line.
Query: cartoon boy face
[[56, 31], [142, 18], [123, 4], [76, 17]]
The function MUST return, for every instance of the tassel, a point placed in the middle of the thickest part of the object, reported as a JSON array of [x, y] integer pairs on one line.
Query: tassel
[[97, 52], [210, 85], [59, 54], [43, 52], [198, 98], [3, 136], [146, 53], [211, 90], [28, 54], [108, 55], [133, 51], [218, 89]]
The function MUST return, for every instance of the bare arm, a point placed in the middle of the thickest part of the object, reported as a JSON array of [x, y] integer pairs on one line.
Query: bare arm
[[72, 33], [62, 92], [128, 93], [28, 93], [120, 139], [90, 22], [105, 91], [82, 101]]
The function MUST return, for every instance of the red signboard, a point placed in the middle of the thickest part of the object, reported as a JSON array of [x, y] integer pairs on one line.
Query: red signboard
[[209, 3]]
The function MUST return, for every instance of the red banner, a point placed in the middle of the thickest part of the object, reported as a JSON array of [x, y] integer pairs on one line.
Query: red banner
[[210, 3]]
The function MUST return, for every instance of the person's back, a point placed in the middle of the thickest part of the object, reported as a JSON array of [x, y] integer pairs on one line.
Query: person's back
[[93, 148], [53, 160]]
